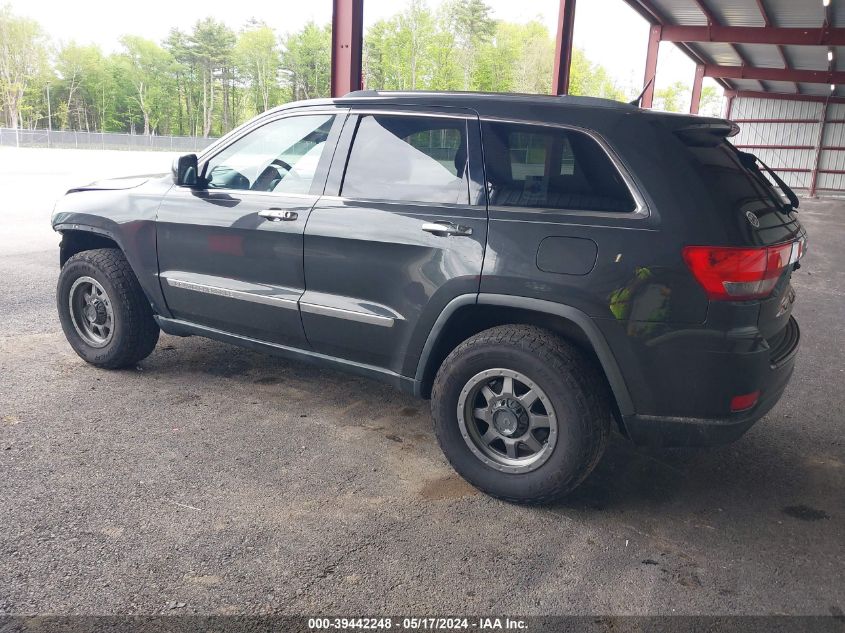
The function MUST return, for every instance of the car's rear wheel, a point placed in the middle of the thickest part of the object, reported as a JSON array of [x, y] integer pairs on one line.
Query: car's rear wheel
[[520, 413], [103, 311]]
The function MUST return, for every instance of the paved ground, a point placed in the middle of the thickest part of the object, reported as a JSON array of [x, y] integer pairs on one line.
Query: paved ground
[[217, 480]]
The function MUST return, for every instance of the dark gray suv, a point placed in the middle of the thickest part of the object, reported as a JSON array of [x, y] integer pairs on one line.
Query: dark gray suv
[[540, 267]]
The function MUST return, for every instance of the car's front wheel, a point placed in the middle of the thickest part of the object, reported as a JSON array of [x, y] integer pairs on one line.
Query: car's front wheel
[[520, 413], [104, 313]]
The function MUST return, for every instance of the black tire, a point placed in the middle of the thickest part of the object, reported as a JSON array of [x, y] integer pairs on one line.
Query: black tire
[[578, 394], [135, 332]]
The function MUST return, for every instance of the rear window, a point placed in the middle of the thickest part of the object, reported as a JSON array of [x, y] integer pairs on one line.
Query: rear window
[[740, 188], [551, 168]]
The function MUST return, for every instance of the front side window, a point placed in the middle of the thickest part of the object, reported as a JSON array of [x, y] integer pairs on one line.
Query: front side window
[[413, 158], [551, 168], [281, 156]]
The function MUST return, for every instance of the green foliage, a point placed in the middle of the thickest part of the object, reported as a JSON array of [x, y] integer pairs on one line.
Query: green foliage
[[258, 61], [209, 79], [23, 67], [673, 98], [306, 60], [711, 102], [86, 87], [145, 67], [518, 58], [589, 79]]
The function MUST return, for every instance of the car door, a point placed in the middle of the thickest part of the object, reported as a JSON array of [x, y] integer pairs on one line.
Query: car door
[[400, 232], [230, 252]]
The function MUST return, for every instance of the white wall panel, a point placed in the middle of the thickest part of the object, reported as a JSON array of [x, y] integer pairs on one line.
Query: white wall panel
[[793, 134]]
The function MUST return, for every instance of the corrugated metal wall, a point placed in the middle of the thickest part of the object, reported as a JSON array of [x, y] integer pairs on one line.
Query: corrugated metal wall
[[784, 133], [833, 159]]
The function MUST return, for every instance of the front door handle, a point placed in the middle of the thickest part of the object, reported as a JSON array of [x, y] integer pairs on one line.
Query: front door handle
[[442, 229], [277, 215]]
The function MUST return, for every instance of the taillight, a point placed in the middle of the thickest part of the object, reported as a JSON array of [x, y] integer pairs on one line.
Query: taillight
[[736, 274]]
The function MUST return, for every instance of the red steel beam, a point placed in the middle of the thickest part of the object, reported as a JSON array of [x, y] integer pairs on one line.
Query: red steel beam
[[651, 65], [695, 101], [755, 35], [647, 10], [563, 47], [817, 160], [653, 15], [712, 20], [347, 45], [761, 7], [775, 74], [782, 96]]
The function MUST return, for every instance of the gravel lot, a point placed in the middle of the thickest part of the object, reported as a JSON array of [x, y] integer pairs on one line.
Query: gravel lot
[[217, 480]]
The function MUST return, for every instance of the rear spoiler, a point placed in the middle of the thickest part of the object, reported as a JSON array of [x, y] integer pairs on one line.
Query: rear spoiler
[[708, 130]]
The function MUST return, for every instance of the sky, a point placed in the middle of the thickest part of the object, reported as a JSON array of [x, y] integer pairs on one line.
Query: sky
[[608, 31]]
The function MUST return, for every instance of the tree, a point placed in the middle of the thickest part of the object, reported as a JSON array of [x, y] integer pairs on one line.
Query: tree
[[146, 68], [208, 80], [591, 80], [472, 25], [306, 59], [86, 84], [23, 59], [178, 44], [258, 61], [711, 102], [673, 97], [212, 44], [400, 48], [447, 66], [519, 58]]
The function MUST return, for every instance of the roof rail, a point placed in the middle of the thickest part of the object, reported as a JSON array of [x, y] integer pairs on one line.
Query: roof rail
[[362, 93]]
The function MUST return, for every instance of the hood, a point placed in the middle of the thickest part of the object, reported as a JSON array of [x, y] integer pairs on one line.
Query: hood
[[115, 184]]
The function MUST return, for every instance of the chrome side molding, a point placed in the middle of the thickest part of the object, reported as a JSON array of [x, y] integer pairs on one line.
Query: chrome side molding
[[241, 295], [349, 315]]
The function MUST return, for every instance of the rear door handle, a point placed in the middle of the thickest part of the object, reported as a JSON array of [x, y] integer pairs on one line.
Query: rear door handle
[[443, 229], [277, 215]]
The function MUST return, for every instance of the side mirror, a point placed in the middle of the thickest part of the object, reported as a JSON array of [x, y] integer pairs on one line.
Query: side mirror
[[185, 171]]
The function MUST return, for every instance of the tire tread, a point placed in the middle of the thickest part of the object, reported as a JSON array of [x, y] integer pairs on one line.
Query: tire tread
[[568, 362], [141, 332]]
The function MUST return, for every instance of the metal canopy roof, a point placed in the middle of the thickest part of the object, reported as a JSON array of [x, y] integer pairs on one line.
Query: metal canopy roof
[[770, 46]]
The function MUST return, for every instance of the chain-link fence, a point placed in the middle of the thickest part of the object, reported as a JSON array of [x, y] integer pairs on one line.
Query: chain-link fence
[[100, 140]]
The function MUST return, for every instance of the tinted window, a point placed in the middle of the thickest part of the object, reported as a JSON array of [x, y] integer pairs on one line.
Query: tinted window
[[281, 156], [414, 158], [741, 189], [721, 168], [551, 168]]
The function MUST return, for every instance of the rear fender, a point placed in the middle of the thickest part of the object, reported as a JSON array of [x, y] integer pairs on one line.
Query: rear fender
[[591, 333]]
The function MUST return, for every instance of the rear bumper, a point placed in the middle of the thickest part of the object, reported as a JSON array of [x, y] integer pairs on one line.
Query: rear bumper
[[656, 430]]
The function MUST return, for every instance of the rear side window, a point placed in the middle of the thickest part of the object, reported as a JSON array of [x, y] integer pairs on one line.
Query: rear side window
[[408, 158], [551, 168]]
